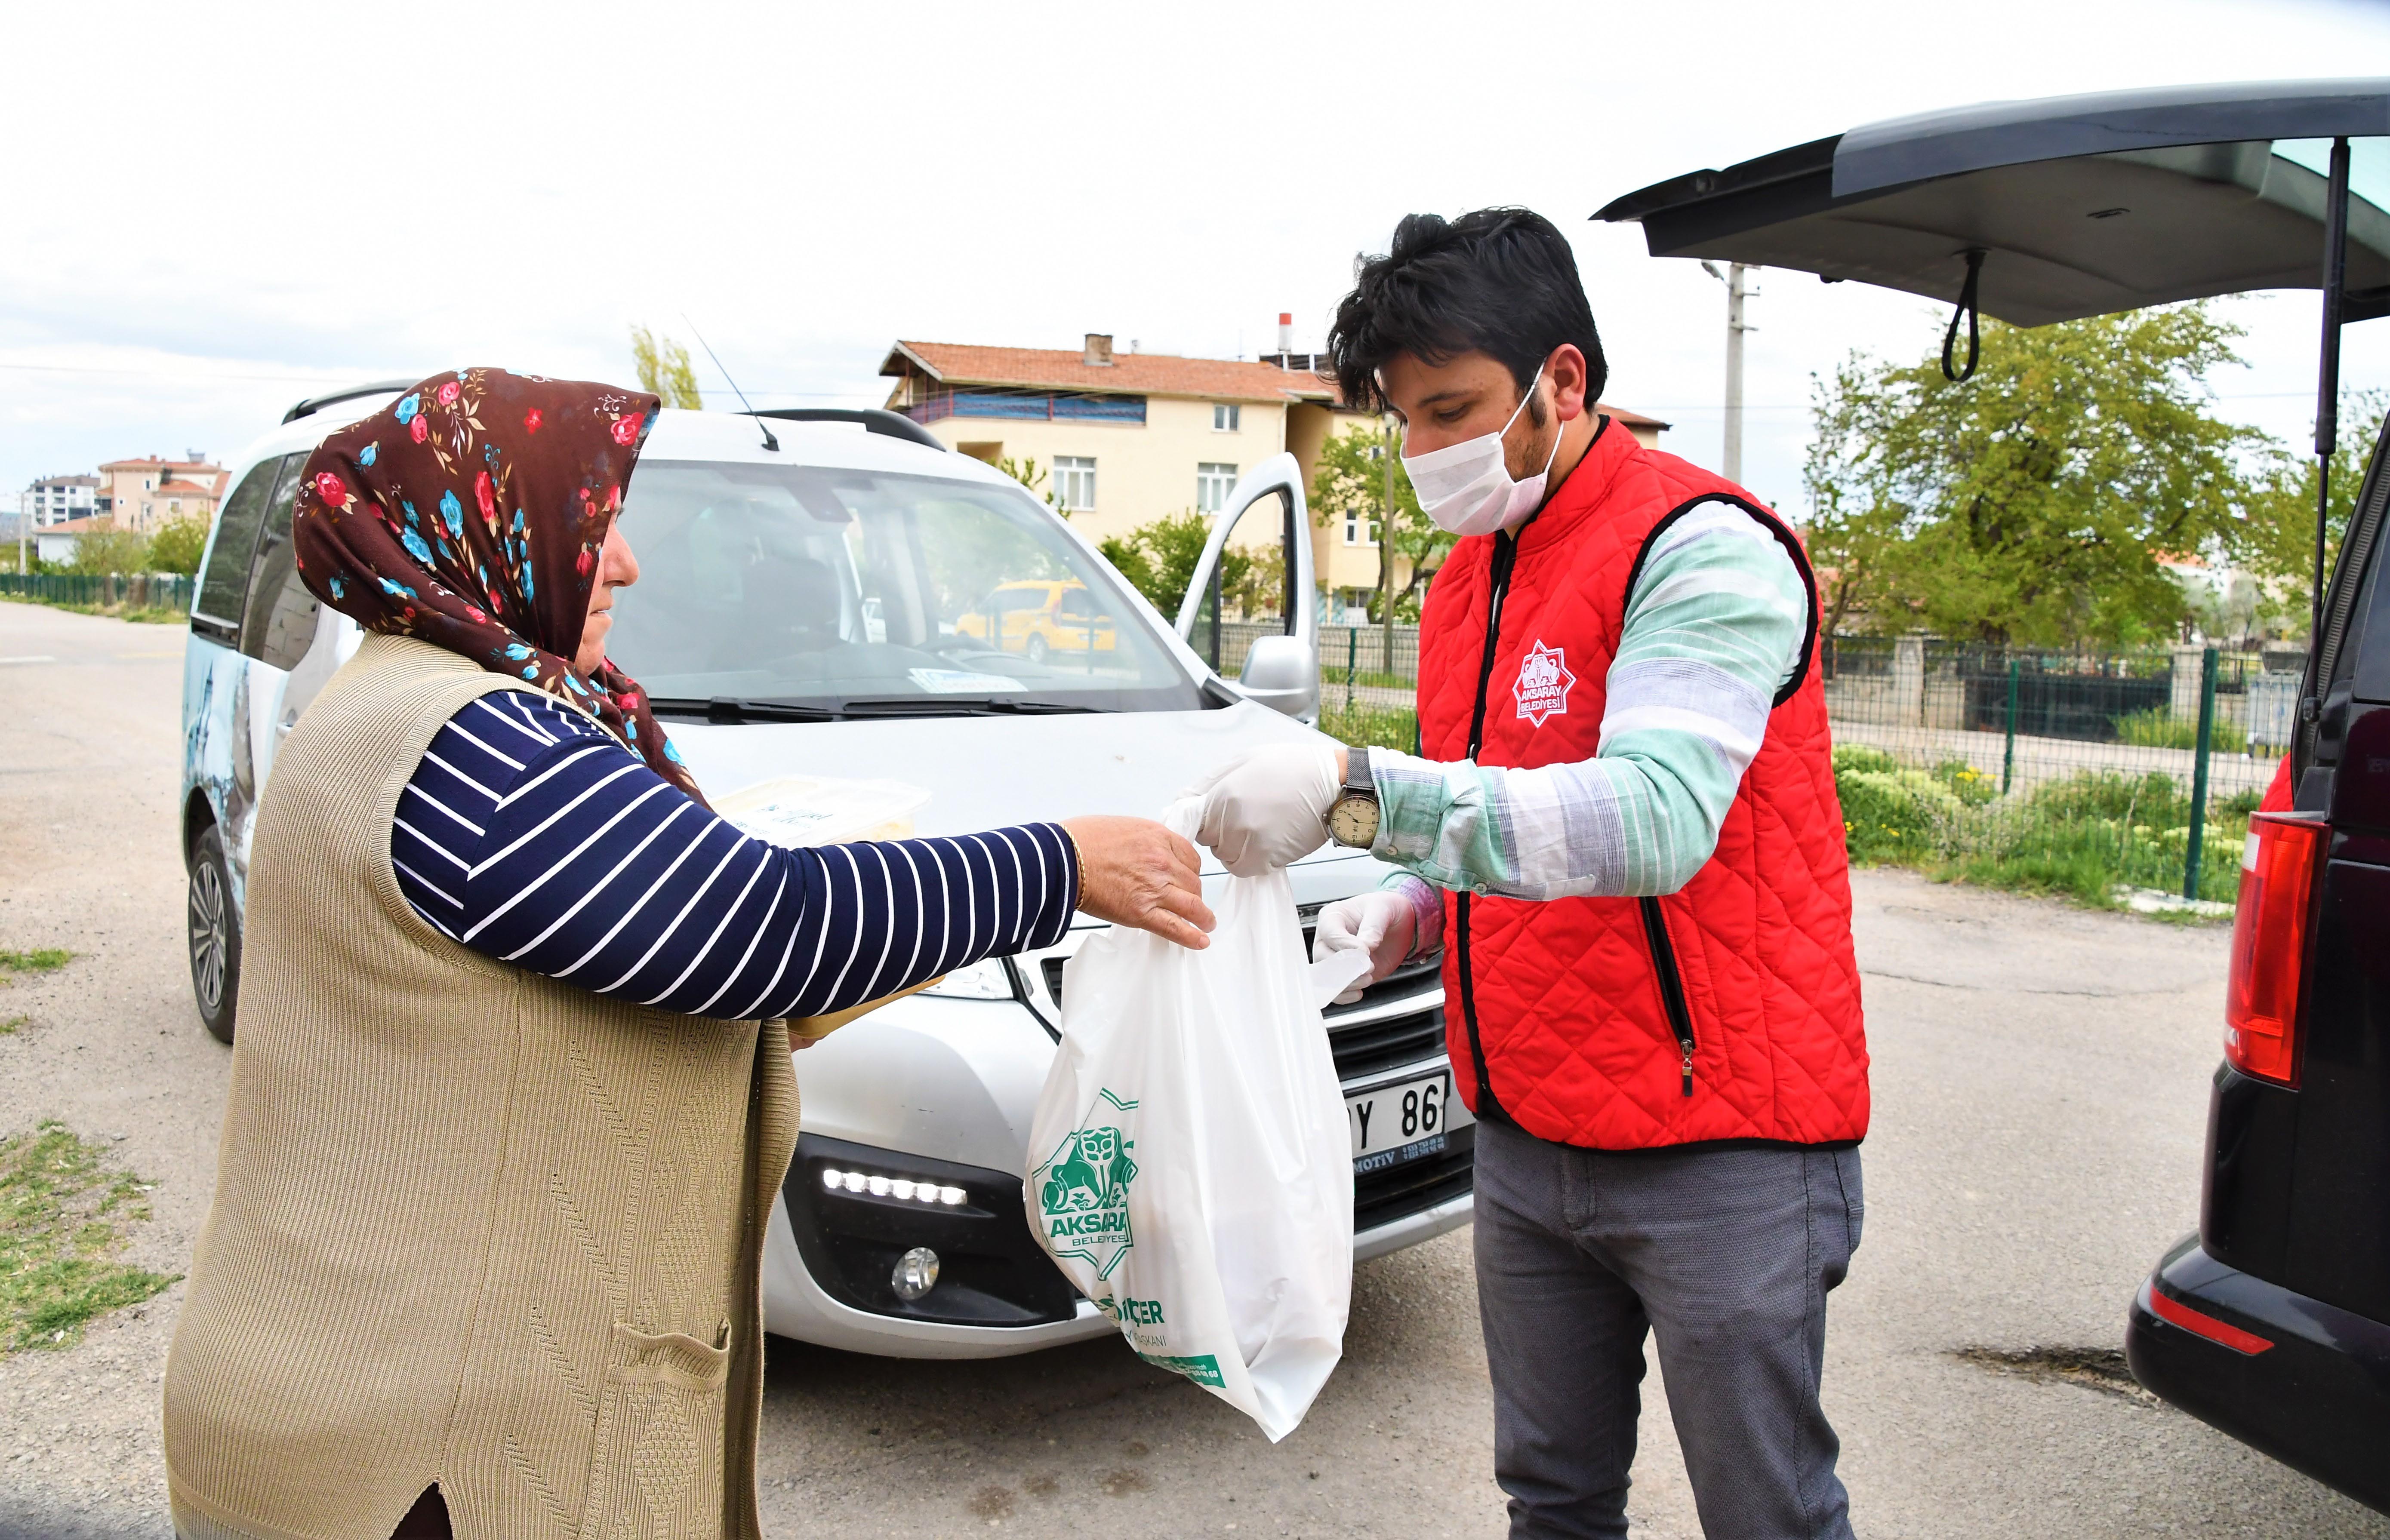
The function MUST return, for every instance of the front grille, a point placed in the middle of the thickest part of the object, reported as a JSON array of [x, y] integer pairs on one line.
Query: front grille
[[1375, 1046], [1397, 1192]]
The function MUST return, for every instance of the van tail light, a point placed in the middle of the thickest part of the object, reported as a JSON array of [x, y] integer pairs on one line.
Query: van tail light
[[2270, 928]]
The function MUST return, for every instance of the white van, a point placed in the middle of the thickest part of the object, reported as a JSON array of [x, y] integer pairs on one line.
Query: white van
[[850, 599]]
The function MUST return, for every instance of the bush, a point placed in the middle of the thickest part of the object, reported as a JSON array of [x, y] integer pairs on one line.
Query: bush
[[1891, 813], [2158, 727], [103, 551], [2080, 837], [1970, 784], [177, 546]]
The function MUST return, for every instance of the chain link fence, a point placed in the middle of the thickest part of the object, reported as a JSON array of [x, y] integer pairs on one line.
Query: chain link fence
[[2083, 771], [103, 590], [2077, 771]]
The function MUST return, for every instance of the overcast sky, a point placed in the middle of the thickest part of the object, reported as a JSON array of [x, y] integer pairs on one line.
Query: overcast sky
[[211, 212]]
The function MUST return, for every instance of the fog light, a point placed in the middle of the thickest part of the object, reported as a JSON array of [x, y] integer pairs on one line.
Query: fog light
[[880, 1186], [950, 1196], [833, 1178], [854, 1181], [915, 1274], [902, 1187]]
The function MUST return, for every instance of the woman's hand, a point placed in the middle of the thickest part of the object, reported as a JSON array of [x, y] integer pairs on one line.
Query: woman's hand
[[1133, 871]]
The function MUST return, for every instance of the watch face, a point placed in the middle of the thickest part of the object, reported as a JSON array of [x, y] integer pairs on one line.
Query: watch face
[[1354, 821]]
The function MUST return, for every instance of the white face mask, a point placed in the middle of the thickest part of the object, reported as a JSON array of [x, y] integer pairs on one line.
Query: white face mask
[[1466, 487]]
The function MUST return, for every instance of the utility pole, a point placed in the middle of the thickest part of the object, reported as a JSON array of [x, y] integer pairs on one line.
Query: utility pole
[[1736, 279], [1386, 542]]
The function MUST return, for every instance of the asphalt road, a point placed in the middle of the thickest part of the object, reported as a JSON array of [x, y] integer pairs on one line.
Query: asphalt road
[[2040, 1084]]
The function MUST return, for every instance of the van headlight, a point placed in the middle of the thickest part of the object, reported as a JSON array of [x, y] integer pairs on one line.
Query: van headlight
[[988, 980]]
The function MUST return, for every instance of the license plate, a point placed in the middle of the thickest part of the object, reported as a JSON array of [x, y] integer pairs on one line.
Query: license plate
[[1402, 1122]]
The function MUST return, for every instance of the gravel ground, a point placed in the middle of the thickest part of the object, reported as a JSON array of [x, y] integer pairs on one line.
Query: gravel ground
[[2040, 1089]]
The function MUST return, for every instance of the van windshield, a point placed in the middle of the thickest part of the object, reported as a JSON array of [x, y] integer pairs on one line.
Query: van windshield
[[815, 587]]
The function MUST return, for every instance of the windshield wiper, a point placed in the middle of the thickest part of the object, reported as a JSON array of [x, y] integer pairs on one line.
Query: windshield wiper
[[722, 708], [965, 705]]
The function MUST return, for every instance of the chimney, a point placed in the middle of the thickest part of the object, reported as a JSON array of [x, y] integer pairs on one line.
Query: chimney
[[1099, 350], [1285, 332]]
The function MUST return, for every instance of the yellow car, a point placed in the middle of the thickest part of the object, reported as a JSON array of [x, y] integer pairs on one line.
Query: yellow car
[[1038, 618]]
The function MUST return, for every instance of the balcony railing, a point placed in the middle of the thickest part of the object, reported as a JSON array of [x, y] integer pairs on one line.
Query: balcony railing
[[1048, 406]]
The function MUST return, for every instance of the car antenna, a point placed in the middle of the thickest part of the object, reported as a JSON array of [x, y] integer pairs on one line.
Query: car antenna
[[769, 443]]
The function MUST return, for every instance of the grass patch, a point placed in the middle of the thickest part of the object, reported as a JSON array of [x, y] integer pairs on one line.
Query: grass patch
[[2160, 728], [44, 960], [8, 1028], [62, 1215], [1375, 726], [2078, 838]]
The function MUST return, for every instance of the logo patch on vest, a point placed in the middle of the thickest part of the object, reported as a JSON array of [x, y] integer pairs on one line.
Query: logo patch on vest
[[1544, 683]]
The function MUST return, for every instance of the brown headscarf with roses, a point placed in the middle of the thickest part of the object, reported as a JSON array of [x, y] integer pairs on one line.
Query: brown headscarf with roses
[[470, 513]]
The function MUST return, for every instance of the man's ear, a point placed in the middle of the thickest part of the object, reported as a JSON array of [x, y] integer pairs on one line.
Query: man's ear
[[1566, 369]]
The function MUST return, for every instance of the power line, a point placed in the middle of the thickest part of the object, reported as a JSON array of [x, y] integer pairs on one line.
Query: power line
[[328, 376]]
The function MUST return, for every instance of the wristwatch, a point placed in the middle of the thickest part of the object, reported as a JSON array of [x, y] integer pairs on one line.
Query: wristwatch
[[1353, 816]]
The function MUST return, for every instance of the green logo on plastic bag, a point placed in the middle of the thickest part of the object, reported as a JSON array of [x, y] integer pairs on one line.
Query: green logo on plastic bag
[[1083, 1192]]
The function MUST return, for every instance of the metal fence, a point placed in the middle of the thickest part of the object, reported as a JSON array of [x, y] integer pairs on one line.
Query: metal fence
[[2080, 770], [103, 590]]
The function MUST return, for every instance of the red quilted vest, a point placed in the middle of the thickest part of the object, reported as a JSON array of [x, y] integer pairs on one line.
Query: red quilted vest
[[1728, 1010]]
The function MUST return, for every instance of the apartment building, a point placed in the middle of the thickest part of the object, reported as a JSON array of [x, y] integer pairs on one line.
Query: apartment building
[[141, 494], [56, 500]]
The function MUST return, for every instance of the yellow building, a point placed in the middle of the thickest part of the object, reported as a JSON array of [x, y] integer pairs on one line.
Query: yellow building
[[1126, 438]]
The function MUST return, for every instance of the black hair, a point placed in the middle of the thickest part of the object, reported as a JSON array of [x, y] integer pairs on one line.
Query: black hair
[[1501, 281]]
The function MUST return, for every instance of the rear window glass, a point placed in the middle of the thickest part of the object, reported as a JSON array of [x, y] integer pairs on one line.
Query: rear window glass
[[280, 621], [225, 583]]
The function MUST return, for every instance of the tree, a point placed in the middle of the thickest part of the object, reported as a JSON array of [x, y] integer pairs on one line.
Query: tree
[[664, 369], [1351, 479], [177, 546], [1159, 560], [2279, 548], [1030, 474], [2034, 503], [109, 549]]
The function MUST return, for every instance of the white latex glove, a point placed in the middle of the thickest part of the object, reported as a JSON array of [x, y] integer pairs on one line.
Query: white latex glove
[[1383, 923], [1267, 808]]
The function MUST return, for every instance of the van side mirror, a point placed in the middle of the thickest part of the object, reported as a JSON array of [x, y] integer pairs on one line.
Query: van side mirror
[[1281, 673]]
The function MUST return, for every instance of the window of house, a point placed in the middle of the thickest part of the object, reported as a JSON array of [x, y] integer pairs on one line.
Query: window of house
[[1359, 531], [1074, 481], [1224, 416], [1213, 484]]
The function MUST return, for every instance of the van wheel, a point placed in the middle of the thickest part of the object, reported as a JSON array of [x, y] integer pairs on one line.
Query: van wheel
[[1037, 649], [214, 937]]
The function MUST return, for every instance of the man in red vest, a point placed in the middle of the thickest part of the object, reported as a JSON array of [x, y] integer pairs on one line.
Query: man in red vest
[[1624, 838]]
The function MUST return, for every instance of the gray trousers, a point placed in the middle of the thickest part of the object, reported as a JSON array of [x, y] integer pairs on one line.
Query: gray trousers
[[1726, 1255]]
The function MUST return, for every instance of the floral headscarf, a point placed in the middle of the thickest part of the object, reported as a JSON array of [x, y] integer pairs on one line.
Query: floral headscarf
[[470, 513]]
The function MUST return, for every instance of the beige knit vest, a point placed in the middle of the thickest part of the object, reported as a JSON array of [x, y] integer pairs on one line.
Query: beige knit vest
[[471, 1225]]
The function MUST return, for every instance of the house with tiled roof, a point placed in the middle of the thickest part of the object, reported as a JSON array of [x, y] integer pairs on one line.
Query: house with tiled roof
[[140, 495], [1125, 438]]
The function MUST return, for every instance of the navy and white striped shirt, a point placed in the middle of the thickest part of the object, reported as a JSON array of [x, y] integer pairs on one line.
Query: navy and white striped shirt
[[533, 836]]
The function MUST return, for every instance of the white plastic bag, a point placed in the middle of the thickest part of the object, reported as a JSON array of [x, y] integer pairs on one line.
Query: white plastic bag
[[1191, 1168]]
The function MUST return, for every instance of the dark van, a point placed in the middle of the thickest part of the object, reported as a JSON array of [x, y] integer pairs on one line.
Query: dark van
[[2272, 1321]]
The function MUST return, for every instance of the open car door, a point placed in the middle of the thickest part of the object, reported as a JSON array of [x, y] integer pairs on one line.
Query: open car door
[[1264, 528]]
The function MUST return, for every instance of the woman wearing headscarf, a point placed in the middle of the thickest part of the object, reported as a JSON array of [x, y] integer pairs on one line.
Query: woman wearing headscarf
[[511, 1096]]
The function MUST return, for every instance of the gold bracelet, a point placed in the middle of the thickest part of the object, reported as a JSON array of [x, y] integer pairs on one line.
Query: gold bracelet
[[1078, 863]]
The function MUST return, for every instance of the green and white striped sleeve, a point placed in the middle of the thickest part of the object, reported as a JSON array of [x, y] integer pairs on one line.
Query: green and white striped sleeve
[[1712, 630]]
